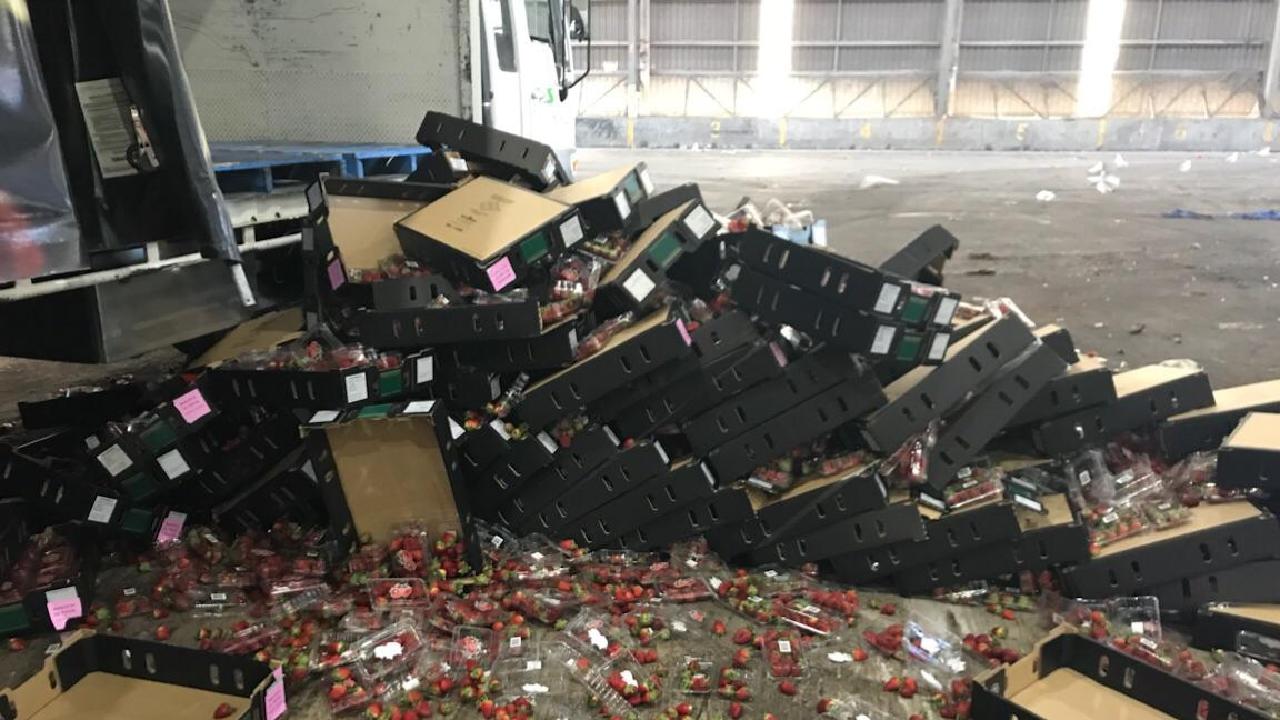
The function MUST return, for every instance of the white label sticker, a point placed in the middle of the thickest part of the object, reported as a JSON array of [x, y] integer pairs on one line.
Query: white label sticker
[[1027, 502], [939, 347], [716, 583], [496, 541], [596, 639], [102, 509], [92, 442], [419, 407], [639, 285], [357, 387], [946, 310], [1084, 477], [1111, 517], [884, 340], [930, 645], [424, 369], [535, 688], [458, 165], [839, 657], [536, 555], [662, 452], [699, 222], [500, 428], [784, 646], [547, 443], [571, 231], [628, 678], [573, 340], [495, 387], [389, 651], [515, 642], [771, 574], [1137, 627], [679, 626], [105, 105], [324, 416], [819, 234], [309, 470], [646, 182], [130, 592], [218, 597], [173, 464], [888, 298], [532, 665], [624, 207], [115, 460]]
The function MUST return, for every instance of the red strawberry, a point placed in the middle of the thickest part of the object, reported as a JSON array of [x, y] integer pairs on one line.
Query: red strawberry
[[742, 636], [684, 709], [223, 711], [893, 684], [859, 655], [17, 644], [788, 688], [718, 628], [735, 710], [163, 633], [742, 694], [824, 704]]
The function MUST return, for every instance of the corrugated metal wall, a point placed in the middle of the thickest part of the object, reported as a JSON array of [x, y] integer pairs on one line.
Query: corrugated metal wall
[[880, 58]]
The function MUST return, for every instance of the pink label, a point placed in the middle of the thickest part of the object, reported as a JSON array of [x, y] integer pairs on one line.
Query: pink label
[[64, 606], [336, 275], [684, 332], [778, 355], [171, 528], [501, 274], [275, 696], [192, 406]]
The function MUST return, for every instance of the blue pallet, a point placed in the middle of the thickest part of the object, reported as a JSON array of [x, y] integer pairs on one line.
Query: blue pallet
[[245, 167]]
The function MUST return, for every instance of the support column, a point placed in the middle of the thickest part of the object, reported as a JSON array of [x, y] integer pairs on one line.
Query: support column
[[644, 26], [633, 68], [948, 53], [1271, 86]]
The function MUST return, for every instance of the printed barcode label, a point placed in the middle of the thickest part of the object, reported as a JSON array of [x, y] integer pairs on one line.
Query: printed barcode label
[[571, 231], [784, 646], [105, 106], [946, 309], [699, 222], [103, 508], [173, 464], [883, 341], [115, 460], [646, 182], [639, 285], [424, 369], [624, 207], [888, 299], [357, 387]]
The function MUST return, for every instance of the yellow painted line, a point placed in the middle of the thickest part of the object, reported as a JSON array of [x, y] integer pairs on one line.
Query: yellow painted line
[[939, 131], [1102, 132], [1269, 133], [865, 131], [631, 132], [782, 132]]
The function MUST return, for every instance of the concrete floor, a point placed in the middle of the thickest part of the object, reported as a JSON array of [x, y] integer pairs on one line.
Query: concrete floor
[[1103, 265]]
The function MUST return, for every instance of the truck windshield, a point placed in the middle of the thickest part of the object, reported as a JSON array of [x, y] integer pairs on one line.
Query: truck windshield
[[539, 14]]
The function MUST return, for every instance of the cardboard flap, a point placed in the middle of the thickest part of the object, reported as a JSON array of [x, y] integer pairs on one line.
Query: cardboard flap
[[642, 244], [1204, 517], [483, 217], [1150, 376], [363, 228], [590, 188], [261, 333], [1258, 431]]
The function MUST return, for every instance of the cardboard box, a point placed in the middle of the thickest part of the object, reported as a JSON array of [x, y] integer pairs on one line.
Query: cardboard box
[[925, 394], [607, 201], [710, 385], [357, 217], [308, 389], [287, 491], [553, 348], [1144, 396], [802, 379], [468, 388], [877, 528], [382, 466], [1218, 625], [801, 423], [91, 408], [845, 282], [589, 449], [1050, 539], [117, 678], [1250, 456], [697, 518], [1087, 383], [493, 151], [1255, 582], [923, 258], [414, 328], [627, 470], [273, 437], [945, 536], [686, 482], [655, 205], [1216, 538], [983, 418], [63, 603], [1069, 677], [489, 234], [1204, 429], [633, 353], [778, 302], [506, 475], [1060, 340], [635, 281], [803, 508]]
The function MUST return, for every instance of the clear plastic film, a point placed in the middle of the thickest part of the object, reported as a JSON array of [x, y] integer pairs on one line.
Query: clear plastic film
[[38, 230]]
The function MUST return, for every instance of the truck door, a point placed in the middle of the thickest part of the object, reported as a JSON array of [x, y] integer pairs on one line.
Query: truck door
[[546, 118], [502, 94]]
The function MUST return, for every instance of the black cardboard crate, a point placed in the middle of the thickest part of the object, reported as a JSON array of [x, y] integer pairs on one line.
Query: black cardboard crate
[[1144, 396], [1204, 429], [1257, 582], [414, 328], [726, 506], [925, 394], [803, 509], [984, 417], [957, 533], [842, 280], [1087, 383], [774, 438], [169, 680], [287, 491], [607, 201], [469, 388], [34, 613], [489, 234], [300, 389], [626, 471], [664, 493], [493, 150], [1217, 626], [655, 205], [1250, 456], [633, 353], [90, 408], [635, 281], [778, 302], [273, 438], [889, 525], [720, 381], [923, 258], [481, 447], [802, 423], [589, 448], [495, 483], [414, 475], [995, 695], [1058, 338], [1217, 538], [553, 348], [802, 379]]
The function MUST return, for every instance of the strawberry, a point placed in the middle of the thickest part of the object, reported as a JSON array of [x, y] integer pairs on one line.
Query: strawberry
[[684, 709], [163, 633], [17, 644], [223, 711], [859, 655], [788, 688], [1007, 614], [742, 694], [893, 684], [742, 636], [735, 710], [718, 628], [824, 704]]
